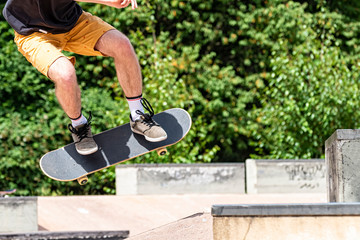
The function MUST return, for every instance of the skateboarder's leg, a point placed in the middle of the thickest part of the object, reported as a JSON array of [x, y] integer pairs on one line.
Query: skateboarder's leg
[[67, 90], [115, 44], [44, 51]]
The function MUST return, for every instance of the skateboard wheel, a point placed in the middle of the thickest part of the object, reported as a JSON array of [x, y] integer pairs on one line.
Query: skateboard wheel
[[162, 151], [83, 180]]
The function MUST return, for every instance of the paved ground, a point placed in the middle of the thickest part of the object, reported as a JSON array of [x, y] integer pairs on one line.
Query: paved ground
[[153, 217]]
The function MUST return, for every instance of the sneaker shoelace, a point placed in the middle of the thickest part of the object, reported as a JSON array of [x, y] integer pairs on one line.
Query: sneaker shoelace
[[147, 118], [82, 132]]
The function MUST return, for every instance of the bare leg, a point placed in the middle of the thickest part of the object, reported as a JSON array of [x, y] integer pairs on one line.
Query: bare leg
[[67, 90], [115, 44]]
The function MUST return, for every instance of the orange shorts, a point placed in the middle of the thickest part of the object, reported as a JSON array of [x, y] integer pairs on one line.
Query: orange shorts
[[42, 49]]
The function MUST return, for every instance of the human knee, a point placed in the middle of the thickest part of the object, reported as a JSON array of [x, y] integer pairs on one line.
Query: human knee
[[122, 46], [66, 78], [62, 73]]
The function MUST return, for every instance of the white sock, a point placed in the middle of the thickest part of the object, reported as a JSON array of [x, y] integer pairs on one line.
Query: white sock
[[79, 121], [134, 105]]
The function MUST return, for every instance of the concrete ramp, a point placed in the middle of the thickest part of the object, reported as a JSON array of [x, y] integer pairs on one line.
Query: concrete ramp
[[331, 221], [141, 213], [195, 227]]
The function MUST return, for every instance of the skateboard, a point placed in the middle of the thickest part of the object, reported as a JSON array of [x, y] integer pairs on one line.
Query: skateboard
[[115, 146], [7, 192]]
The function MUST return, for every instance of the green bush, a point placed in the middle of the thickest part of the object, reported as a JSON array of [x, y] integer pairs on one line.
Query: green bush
[[311, 88]]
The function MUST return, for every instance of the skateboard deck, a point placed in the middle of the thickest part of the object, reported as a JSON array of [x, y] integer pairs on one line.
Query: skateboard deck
[[115, 146]]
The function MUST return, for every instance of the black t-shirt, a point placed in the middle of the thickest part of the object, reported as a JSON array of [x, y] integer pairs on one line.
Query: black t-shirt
[[53, 16]]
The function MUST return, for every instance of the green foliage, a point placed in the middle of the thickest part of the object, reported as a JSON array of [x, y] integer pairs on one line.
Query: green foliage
[[311, 88], [310, 93], [266, 79]]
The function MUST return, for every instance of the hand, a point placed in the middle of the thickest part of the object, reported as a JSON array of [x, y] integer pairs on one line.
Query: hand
[[126, 3]]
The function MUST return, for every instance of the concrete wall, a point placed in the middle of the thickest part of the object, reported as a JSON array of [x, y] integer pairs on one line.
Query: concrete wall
[[18, 214], [256, 176], [283, 222], [286, 176], [180, 178], [300, 228], [342, 155]]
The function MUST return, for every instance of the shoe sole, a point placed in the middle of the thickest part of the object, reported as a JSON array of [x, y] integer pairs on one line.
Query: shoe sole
[[159, 139], [88, 152]]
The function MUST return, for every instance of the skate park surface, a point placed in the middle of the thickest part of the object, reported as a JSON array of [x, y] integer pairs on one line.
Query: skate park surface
[[186, 216], [312, 205]]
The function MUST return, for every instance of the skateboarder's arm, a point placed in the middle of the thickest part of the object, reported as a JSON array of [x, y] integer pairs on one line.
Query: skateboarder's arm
[[114, 3]]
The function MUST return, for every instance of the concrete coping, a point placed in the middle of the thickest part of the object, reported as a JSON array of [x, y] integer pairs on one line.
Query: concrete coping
[[17, 199], [316, 209], [311, 160], [161, 165], [343, 134]]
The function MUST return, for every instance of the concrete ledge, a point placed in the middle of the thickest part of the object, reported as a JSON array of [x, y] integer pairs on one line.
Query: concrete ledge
[[285, 176], [343, 134], [320, 209], [286, 221], [180, 179], [18, 214], [342, 155], [110, 235]]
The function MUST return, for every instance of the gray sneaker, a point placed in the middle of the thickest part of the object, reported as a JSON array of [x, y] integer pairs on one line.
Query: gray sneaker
[[146, 126], [83, 138]]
